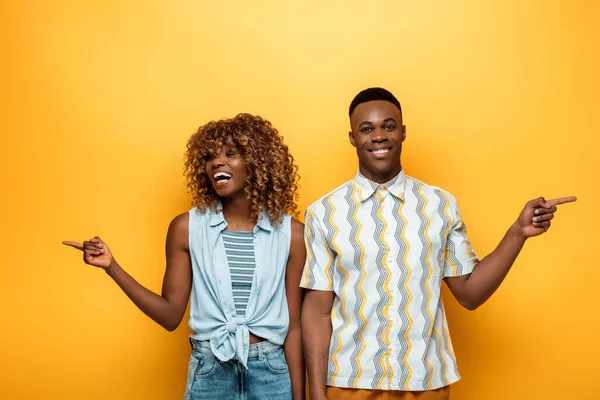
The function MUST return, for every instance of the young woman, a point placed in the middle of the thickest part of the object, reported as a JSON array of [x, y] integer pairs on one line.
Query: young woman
[[241, 255]]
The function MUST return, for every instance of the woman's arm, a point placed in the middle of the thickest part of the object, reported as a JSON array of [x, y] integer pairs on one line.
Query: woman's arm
[[293, 341], [168, 308]]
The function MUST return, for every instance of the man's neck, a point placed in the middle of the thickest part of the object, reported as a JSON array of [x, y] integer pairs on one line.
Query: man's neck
[[379, 178]]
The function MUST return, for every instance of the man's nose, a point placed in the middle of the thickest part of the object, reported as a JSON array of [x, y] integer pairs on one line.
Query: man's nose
[[379, 135]]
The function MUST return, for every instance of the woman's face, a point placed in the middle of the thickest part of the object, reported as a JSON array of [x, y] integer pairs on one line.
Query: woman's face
[[227, 172]]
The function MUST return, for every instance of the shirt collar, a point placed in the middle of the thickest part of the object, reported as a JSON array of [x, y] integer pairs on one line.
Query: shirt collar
[[264, 222], [217, 218], [366, 187]]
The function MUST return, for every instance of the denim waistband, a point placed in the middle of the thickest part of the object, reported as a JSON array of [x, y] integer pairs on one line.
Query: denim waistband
[[255, 350]]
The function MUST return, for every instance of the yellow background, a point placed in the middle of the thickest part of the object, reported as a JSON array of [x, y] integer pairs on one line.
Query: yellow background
[[99, 99]]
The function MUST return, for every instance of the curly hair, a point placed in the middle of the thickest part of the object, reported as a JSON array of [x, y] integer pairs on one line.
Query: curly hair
[[272, 176]]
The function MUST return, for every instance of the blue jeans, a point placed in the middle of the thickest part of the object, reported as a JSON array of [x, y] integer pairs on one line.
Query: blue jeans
[[267, 376]]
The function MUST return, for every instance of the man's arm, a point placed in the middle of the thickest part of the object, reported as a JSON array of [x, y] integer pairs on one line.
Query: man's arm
[[316, 335], [294, 293], [318, 301], [474, 289]]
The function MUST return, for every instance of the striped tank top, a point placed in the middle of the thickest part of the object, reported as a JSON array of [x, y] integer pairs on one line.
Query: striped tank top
[[239, 248]]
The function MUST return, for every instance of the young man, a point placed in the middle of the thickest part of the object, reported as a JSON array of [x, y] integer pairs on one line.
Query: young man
[[378, 248]]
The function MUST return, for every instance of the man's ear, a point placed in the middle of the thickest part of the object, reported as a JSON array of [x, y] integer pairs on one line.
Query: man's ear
[[403, 132], [351, 137]]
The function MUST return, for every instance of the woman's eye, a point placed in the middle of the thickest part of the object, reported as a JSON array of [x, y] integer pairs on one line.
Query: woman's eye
[[209, 157]]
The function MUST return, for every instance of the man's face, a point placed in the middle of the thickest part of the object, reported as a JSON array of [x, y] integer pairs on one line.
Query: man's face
[[377, 133]]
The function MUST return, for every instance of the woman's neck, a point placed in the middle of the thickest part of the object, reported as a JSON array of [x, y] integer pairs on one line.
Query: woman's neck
[[238, 214]]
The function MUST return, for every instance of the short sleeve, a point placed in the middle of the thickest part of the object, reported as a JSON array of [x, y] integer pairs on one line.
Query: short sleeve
[[318, 271], [460, 259]]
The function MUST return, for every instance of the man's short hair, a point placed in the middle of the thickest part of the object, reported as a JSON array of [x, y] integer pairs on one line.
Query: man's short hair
[[373, 94]]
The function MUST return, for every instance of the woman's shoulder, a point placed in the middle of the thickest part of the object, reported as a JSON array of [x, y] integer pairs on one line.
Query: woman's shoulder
[[296, 230], [181, 220], [197, 218], [296, 225], [180, 224], [291, 226], [200, 214]]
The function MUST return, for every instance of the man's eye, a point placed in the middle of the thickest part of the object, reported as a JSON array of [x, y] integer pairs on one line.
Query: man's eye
[[390, 127], [366, 129]]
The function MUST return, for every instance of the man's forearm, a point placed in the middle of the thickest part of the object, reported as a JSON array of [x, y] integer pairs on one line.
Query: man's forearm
[[316, 335], [491, 271], [295, 359]]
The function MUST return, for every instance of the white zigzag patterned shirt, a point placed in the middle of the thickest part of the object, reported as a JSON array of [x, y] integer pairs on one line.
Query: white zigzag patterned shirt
[[384, 250]]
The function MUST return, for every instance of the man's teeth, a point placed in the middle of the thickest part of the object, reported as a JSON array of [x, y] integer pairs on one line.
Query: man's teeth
[[381, 151]]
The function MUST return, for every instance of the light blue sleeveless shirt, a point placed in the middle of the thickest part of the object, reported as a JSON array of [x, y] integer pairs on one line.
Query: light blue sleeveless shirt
[[212, 309]]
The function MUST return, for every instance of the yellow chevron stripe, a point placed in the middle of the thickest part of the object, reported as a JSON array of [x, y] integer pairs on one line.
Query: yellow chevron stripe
[[309, 254], [360, 283], [447, 231], [428, 275], [405, 284], [343, 288]]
